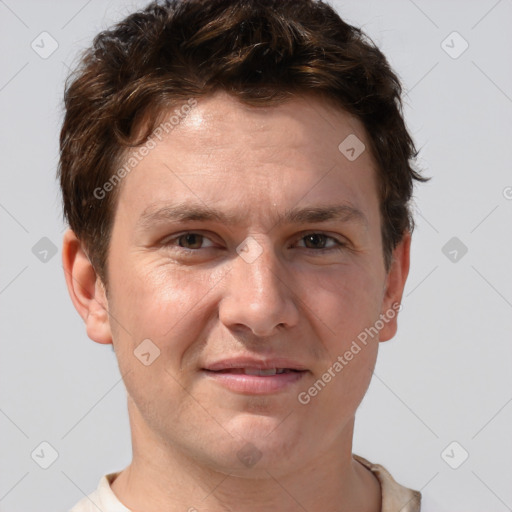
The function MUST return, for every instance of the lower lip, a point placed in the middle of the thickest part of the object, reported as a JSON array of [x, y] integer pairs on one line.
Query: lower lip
[[255, 384]]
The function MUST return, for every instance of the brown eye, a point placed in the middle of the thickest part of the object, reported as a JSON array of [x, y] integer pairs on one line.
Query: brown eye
[[318, 241], [190, 240], [188, 243]]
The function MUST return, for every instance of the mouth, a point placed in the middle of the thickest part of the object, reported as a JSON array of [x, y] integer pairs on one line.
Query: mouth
[[256, 381], [256, 371]]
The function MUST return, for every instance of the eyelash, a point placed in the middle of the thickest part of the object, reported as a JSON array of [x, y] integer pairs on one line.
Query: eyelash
[[338, 247]]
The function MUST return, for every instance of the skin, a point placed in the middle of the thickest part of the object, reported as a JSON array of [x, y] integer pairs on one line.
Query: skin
[[202, 302]]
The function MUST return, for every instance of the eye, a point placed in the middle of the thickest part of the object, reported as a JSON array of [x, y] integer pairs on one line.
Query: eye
[[187, 241], [193, 241], [318, 241]]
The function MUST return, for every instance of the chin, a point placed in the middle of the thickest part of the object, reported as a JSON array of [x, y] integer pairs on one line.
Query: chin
[[257, 448], [264, 442]]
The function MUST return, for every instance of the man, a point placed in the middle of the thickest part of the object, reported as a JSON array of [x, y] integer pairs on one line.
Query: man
[[236, 177]]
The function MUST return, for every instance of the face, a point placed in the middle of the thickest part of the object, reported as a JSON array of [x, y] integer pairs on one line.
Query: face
[[246, 239]]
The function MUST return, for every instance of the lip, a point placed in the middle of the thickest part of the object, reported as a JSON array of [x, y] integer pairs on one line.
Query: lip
[[251, 362], [255, 384]]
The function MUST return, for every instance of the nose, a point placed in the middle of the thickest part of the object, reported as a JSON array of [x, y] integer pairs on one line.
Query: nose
[[259, 292]]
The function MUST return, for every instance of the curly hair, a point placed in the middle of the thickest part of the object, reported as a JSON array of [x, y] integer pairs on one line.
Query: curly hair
[[262, 52]]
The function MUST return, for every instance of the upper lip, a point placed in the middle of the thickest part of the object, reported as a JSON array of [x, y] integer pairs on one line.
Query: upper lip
[[251, 362]]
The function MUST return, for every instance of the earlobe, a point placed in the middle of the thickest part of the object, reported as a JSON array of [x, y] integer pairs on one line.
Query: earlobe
[[395, 284], [86, 290]]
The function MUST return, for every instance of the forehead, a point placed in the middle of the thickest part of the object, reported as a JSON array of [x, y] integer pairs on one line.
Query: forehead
[[308, 121], [220, 148]]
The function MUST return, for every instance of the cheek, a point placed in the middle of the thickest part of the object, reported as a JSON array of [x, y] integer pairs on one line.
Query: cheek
[[346, 300], [162, 304], [349, 386]]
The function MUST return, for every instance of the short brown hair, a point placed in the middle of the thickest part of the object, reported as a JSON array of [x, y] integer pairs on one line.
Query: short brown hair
[[260, 51]]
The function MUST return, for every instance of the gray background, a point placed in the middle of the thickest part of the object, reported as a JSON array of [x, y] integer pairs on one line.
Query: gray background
[[445, 377]]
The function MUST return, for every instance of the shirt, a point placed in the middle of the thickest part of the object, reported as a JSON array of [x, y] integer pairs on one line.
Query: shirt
[[395, 497]]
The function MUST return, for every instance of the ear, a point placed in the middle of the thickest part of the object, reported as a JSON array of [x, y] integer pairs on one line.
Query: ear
[[394, 288], [86, 289]]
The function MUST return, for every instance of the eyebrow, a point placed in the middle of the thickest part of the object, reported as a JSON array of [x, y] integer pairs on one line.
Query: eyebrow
[[187, 212]]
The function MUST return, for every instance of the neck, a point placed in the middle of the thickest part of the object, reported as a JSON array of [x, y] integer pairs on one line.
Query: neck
[[165, 477]]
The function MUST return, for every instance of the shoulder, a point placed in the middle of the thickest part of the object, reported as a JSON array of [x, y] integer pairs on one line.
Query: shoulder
[[102, 498], [394, 495]]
